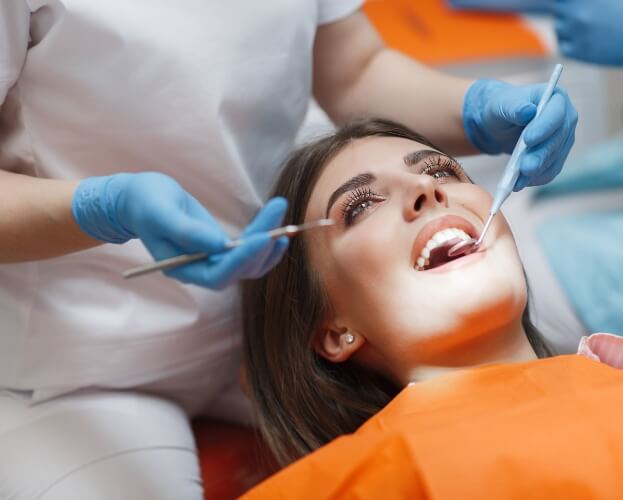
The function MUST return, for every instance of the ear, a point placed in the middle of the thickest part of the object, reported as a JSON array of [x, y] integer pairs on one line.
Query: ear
[[337, 344]]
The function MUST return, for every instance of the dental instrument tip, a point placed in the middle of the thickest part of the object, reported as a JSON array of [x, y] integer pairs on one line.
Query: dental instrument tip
[[486, 228], [471, 245], [292, 229], [318, 223]]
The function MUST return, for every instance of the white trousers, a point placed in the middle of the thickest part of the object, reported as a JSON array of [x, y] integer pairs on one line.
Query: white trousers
[[96, 445]]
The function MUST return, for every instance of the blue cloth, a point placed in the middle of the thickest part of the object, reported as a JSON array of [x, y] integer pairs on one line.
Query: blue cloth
[[586, 254], [585, 250], [600, 168]]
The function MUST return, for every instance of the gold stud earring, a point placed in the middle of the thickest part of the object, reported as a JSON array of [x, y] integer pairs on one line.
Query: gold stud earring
[[350, 338]]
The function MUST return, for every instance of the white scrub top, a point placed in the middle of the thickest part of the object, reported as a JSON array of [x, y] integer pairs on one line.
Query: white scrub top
[[210, 92]]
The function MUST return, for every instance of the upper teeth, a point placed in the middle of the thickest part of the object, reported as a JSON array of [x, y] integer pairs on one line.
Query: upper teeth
[[438, 239]]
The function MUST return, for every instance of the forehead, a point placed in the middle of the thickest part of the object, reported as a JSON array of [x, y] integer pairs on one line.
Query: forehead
[[370, 154]]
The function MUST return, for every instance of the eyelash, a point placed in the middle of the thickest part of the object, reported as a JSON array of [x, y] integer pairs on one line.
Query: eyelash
[[362, 195], [440, 164], [355, 200]]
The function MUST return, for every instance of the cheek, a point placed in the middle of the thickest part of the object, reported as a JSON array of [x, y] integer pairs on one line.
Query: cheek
[[371, 249], [470, 197], [364, 265]]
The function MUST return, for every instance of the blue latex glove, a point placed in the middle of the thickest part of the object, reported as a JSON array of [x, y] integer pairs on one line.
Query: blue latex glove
[[495, 113], [590, 30], [170, 222], [503, 5]]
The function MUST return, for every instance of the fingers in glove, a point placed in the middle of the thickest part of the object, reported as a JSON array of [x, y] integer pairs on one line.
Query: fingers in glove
[[516, 110], [276, 254], [269, 217], [549, 122], [536, 160], [191, 230], [234, 263], [555, 168]]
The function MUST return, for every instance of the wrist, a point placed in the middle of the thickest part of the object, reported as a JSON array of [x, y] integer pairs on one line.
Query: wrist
[[474, 104], [94, 208]]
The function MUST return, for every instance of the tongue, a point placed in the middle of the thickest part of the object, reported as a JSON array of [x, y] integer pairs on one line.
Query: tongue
[[439, 255]]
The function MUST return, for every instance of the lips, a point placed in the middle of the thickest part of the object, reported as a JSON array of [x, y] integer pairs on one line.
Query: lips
[[432, 227]]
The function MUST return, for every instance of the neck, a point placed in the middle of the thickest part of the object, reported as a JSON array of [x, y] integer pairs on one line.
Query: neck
[[505, 345]]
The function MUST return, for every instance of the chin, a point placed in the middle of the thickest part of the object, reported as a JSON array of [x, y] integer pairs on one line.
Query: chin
[[470, 330], [482, 308], [496, 300]]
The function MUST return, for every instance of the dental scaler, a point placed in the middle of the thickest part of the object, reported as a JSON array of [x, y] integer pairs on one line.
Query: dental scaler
[[510, 175]]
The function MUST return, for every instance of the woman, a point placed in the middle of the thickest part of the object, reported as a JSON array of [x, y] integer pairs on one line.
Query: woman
[[357, 312], [132, 130]]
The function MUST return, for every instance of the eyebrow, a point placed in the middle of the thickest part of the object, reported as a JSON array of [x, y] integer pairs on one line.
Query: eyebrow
[[416, 157], [358, 181]]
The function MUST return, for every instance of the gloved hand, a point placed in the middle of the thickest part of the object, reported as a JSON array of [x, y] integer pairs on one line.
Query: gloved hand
[[532, 6], [590, 30], [170, 222], [495, 113]]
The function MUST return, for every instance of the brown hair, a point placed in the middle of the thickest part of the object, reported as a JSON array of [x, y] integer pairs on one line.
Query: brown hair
[[303, 401]]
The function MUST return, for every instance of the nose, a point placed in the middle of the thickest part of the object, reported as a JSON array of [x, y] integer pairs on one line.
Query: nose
[[422, 194]]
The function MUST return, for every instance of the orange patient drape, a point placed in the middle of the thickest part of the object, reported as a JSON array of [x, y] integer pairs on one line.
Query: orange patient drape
[[548, 429]]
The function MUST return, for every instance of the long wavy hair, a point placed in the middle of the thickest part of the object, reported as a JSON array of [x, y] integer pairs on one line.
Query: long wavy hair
[[303, 401]]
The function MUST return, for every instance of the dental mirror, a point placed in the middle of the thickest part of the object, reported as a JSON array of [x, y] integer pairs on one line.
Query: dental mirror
[[471, 245]]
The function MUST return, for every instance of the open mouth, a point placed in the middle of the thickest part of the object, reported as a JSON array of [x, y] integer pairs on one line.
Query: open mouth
[[430, 249]]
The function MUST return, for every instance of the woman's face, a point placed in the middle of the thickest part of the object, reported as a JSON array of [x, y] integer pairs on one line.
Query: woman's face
[[386, 283]]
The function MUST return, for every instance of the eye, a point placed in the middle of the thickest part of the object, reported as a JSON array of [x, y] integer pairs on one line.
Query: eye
[[358, 202], [444, 169]]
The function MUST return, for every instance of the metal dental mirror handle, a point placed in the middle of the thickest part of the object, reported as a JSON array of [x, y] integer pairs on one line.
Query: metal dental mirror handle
[[510, 175], [162, 265]]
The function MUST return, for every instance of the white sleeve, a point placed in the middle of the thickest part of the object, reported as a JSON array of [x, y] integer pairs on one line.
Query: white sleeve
[[14, 36], [333, 10]]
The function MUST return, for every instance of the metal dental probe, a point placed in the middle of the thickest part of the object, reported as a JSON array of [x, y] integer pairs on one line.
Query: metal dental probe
[[510, 175], [290, 231]]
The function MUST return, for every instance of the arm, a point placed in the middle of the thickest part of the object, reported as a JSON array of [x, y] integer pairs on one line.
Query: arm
[[36, 220], [42, 218], [356, 75], [35, 214]]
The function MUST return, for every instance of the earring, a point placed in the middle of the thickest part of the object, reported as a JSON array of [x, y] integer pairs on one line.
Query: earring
[[350, 338]]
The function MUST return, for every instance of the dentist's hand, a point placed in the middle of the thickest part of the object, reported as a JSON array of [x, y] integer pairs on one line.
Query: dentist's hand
[[590, 30], [495, 113], [170, 222]]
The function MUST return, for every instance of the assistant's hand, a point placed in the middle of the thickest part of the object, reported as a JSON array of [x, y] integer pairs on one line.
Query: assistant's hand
[[503, 5], [590, 30], [495, 113], [169, 222]]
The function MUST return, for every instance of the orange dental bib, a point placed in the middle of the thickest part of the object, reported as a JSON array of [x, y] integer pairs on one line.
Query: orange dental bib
[[550, 429]]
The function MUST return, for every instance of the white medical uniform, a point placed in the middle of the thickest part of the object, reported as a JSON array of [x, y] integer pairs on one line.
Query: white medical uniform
[[210, 92]]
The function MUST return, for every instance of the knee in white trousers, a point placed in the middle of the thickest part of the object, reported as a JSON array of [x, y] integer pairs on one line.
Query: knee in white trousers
[[96, 445]]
